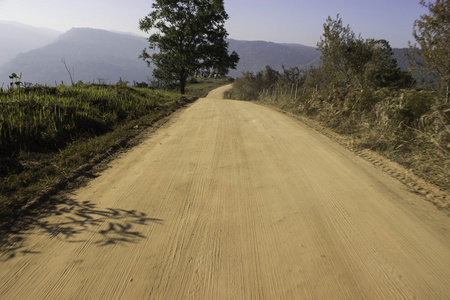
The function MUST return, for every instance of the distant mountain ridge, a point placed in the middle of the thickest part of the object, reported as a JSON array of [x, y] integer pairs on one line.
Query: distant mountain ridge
[[95, 54], [256, 55], [18, 38], [106, 56], [90, 54]]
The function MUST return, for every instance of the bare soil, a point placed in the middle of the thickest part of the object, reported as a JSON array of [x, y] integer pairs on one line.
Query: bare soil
[[232, 200]]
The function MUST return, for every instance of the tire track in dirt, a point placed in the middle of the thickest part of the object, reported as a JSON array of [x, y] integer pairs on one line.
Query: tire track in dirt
[[234, 200], [432, 193]]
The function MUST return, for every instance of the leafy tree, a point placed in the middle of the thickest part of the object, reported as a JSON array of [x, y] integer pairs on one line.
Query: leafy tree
[[188, 37], [342, 52], [432, 33], [293, 75], [268, 76], [15, 80], [382, 70], [353, 61]]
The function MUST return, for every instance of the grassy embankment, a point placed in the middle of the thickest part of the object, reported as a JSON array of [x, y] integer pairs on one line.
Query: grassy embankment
[[51, 135], [409, 126]]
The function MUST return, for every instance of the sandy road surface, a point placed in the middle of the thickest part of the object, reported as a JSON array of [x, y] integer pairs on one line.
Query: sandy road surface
[[230, 200]]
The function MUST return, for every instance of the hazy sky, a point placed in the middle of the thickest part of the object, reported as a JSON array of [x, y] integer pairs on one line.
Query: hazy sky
[[284, 21]]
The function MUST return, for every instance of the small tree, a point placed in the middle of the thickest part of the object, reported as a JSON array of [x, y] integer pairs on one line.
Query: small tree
[[432, 33], [15, 81], [189, 38], [382, 70], [343, 54], [353, 61]]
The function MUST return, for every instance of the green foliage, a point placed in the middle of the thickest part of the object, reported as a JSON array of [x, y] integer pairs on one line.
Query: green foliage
[[190, 38], [432, 33], [382, 70], [343, 54], [15, 80], [250, 85], [350, 61]]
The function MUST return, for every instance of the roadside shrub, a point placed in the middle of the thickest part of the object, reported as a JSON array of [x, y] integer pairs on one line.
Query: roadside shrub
[[246, 87]]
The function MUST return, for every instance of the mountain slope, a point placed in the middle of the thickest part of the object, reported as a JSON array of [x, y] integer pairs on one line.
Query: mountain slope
[[401, 57], [91, 54], [18, 38], [255, 55]]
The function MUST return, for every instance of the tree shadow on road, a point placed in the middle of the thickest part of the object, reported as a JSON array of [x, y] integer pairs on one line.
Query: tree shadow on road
[[68, 219]]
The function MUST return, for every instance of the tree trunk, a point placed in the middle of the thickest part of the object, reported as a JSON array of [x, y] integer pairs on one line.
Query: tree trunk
[[183, 80]]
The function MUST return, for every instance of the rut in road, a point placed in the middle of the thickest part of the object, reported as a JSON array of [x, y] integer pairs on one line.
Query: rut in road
[[231, 200]]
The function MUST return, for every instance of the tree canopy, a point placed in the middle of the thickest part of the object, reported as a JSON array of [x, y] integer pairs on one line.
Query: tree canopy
[[432, 33], [188, 37], [352, 61]]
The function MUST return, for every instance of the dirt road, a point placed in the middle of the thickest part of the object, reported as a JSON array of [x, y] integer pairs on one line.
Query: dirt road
[[231, 200]]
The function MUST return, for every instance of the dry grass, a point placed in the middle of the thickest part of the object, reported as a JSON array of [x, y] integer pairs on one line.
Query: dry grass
[[409, 127]]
